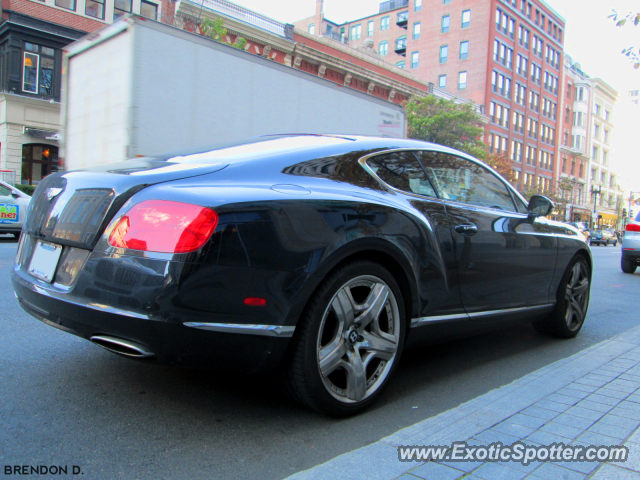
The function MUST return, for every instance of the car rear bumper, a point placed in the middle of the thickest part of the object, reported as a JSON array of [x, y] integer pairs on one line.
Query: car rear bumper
[[631, 255], [167, 337]]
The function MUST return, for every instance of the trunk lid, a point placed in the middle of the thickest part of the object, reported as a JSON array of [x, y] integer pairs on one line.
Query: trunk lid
[[74, 208]]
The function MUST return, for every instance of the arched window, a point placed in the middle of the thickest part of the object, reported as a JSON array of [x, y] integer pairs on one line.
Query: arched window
[[401, 64], [401, 42], [312, 29], [38, 161], [383, 48]]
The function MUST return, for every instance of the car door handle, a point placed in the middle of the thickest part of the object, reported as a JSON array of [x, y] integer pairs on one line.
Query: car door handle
[[466, 230]]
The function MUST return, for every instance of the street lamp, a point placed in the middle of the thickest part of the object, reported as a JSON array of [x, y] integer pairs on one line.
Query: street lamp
[[595, 192]]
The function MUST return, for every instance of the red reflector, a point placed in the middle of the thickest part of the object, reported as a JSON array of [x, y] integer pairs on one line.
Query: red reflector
[[164, 226], [255, 301], [633, 227]]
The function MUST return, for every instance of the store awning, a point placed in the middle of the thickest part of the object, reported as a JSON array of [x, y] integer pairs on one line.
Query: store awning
[[46, 134], [608, 216], [581, 210]]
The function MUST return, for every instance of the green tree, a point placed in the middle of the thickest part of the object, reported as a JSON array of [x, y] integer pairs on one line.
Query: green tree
[[446, 122], [633, 53], [215, 29], [500, 163]]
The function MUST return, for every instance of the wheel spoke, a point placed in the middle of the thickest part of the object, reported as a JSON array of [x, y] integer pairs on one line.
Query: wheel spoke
[[330, 357], [374, 304], [380, 347], [580, 289], [356, 376], [343, 307]]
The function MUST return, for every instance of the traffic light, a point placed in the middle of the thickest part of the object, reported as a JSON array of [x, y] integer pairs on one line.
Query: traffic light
[[624, 213]]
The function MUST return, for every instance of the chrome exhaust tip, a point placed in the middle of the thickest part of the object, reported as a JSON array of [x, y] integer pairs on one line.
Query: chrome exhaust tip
[[122, 347]]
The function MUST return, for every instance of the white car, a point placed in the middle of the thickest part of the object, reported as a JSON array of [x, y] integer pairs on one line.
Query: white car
[[631, 246], [13, 209]]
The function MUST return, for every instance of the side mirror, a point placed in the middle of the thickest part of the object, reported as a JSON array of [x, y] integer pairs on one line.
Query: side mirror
[[540, 206], [15, 195]]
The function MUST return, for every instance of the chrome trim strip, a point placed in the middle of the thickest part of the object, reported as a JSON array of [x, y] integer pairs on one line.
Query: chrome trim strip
[[246, 329], [140, 350], [509, 310], [419, 322]]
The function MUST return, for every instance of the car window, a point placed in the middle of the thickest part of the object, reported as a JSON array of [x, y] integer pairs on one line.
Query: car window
[[464, 181], [402, 170], [5, 191], [522, 207]]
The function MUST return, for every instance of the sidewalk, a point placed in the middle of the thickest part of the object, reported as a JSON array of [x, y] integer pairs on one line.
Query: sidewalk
[[591, 398]]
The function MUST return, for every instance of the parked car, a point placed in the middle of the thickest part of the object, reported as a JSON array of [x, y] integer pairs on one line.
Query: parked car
[[317, 255], [13, 207], [603, 237], [582, 228], [631, 246]]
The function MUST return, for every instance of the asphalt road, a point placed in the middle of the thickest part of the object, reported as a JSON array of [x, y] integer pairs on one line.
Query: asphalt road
[[64, 401]]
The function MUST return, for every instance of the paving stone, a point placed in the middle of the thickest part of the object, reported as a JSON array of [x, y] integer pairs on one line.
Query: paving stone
[[617, 432], [570, 392], [631, 376], [546, 438], [620, 388], [496, 471], [552, 471], [614, 472], [626, 413], [464, 466], [564, 399], [585, 413], [540, 413], [630, 405], [598, 407], [582, 467], [519, 431], [581, 387], [595, 376], [596, 439], [549, 405], [611, 419], [573, 421], [607, 392], [594, 397], [633, 462], [436, 471], [594, 383], [520, 467], [527, 420], [634, 398], [491, 436], [625, 383], [562, 430]]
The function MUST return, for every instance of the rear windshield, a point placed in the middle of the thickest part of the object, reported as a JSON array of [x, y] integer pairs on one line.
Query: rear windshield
[[638, 217], [250, 148]]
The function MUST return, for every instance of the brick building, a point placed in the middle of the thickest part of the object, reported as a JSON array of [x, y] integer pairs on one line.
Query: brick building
[[504, 55]]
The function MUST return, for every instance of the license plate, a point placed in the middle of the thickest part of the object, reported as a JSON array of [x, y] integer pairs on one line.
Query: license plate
[[45, 260]]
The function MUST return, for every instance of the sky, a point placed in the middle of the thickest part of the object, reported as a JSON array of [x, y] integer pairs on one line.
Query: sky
[[591, 39]]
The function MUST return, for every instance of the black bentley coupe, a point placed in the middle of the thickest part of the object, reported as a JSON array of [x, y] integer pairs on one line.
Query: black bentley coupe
[[317, 255]]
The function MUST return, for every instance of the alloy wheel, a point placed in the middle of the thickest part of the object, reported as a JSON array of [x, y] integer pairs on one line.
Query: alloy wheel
[[358, 339], [577, 296]]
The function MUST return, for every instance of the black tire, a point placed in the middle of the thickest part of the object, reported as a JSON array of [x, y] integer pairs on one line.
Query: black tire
[[320, 329], [615, 243], [627, 266], [572, 302]]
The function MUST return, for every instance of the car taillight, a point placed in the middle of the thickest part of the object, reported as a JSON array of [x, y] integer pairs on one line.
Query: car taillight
[[633, 227], [164, 226]]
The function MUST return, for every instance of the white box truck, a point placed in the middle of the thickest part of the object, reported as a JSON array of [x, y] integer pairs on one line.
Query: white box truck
[[139, 87]]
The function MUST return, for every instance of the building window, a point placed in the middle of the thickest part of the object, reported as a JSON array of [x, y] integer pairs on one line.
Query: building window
[[444, 53], [415, 57], [400, 64], [401, 43], [466, 18], [121, 7], [38, 161], [37, 69], [446, 1], [384, 23], [149, 10], [312, 29], [95, 8], [442, 81], [383, 48], [462, 80], [70, 4], [370, 28], [416, 31], [356, 32], [418, 6], [446, 21], [464, 50]]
